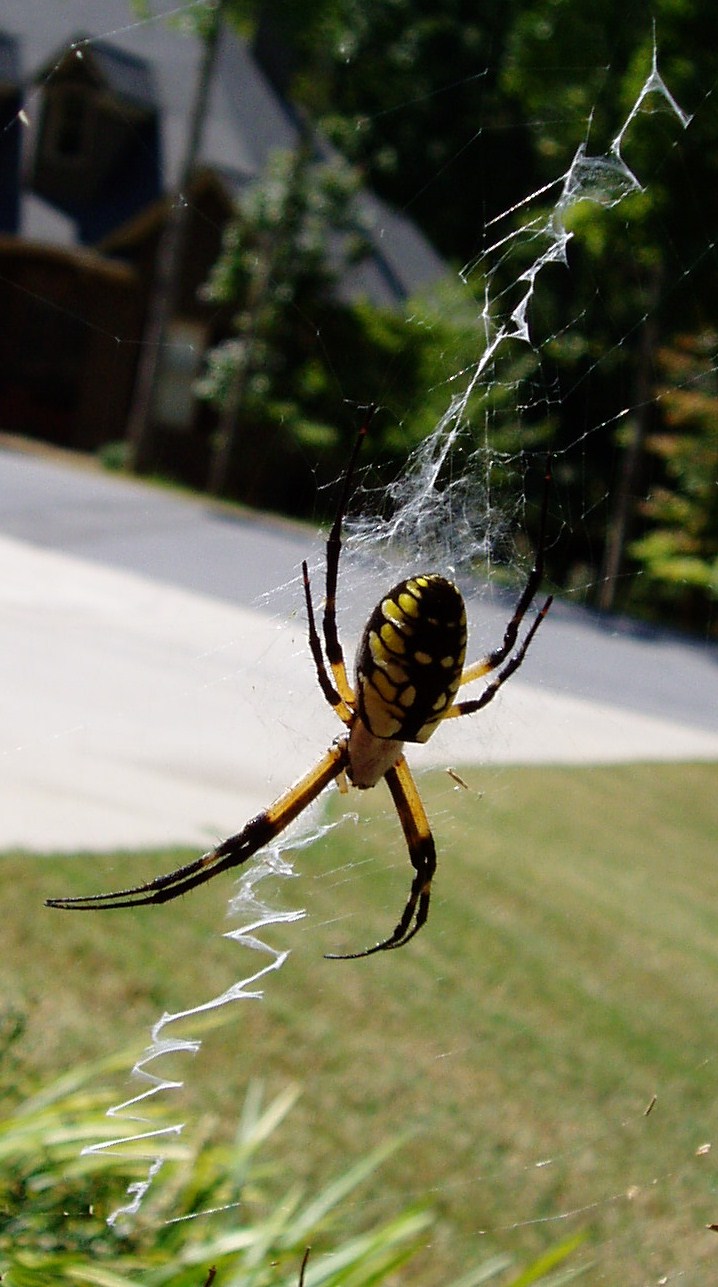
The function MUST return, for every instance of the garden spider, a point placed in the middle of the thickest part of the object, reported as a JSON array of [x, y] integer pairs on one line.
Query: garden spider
[[409, 668]]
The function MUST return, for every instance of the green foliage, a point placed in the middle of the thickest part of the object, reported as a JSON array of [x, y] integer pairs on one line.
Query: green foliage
[[52, 1197], [432, 102], [567, 973], [287, 217], [207, 1209], [300, 228], [412, 93], [678, 555], [456, 118], [55, 1200]]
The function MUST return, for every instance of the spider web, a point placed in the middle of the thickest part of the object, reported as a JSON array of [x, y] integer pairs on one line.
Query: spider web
[[440, 514]]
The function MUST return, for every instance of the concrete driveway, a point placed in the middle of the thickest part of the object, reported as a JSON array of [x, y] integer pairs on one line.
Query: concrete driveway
[[151, 696]]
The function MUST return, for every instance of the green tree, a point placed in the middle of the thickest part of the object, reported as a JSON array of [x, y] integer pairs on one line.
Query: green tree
[[678, 555], [456, 115], [274, 268], [632, 282], [412, 93]]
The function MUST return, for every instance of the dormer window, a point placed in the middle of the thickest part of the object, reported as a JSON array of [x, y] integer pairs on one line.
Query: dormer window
[[95, 133], [67, 163], [68, 124]]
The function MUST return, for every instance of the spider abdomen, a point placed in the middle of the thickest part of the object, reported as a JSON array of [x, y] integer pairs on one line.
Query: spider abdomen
[[410, 659]]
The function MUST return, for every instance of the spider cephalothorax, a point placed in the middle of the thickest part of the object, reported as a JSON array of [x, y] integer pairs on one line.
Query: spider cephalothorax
[[409, 670]]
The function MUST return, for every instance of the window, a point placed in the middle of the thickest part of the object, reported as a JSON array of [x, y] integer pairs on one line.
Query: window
[[68, 124]]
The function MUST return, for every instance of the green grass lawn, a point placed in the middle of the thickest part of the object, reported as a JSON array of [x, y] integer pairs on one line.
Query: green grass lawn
[[568, 973]]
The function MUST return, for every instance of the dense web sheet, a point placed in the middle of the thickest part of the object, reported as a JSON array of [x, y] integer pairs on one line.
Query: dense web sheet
[[442, 510], [448, 523]]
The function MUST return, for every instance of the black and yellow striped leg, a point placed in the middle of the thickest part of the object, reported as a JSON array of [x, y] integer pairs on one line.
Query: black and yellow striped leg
[[478, 703], [422, 852], [336, 701], [232, 852], [332, 644]]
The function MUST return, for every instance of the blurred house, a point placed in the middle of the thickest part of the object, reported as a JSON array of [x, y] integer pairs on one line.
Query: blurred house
[[94, 111]]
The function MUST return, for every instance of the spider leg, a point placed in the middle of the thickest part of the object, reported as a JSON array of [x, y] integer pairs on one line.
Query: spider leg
[[332, 696], [494, 659], [335, 653], [422, 852], [231, 852], [468, 708]]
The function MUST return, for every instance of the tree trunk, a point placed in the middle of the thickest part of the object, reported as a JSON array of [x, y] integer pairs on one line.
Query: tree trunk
[[258, 313], [170, 254], [622, 516]]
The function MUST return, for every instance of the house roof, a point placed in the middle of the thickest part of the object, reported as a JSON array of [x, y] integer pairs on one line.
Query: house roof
[[150, 62], [9, 63], [129, 78]]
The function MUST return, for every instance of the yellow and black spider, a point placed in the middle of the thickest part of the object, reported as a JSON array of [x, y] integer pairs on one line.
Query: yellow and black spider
[[409, 668]]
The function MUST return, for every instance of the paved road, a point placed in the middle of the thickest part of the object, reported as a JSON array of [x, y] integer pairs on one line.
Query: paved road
[[157, 693], [119, 523], [214, 552]]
